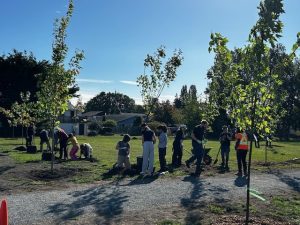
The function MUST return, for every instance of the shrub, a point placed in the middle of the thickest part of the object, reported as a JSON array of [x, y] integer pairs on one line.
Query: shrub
[[94, 126], [109, 123]]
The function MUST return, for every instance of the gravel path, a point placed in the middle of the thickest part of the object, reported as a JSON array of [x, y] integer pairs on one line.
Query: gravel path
[[109, 201]]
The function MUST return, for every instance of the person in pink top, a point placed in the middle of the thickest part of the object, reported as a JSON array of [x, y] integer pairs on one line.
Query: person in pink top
[[75, 146]]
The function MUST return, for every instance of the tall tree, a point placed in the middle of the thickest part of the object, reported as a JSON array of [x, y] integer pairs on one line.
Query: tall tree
[[161, 74], [193, 92], [54, 94], [183, 97], [177, 102], [111, 103], [19, 73], [254, 99], [79, 106], [164, 113]]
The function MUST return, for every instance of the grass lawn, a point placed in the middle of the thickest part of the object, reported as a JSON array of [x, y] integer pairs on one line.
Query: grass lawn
[[106, 155]]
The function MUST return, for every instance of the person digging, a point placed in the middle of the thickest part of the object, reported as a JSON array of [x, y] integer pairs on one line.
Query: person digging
[[198, 150]]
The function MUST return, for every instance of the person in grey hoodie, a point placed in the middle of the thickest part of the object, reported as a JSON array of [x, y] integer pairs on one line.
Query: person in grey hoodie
[[162, 146]]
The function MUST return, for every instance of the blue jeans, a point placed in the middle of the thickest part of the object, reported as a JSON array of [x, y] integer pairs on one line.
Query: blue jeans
[[198, 155], [225, 155]]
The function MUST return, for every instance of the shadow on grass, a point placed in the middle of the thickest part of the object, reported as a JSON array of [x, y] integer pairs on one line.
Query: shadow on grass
[[115, 171], [277, 146], [11, 144], [106, 201], [34, 161]]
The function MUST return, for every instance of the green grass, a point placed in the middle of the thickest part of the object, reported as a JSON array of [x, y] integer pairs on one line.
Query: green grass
[[169, 222], [289, 208], [215, 209], [105, 153]]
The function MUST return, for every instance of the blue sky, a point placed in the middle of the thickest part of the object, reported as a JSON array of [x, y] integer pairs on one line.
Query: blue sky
[[116, 35]]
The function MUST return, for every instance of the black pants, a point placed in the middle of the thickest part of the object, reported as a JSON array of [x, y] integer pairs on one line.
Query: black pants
[[198, 155], [241, 159], [257, 144], [177, 154], [63, 149], [162, 158]]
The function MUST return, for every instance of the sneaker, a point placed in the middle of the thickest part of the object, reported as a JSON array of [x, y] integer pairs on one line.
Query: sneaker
[[142, 173], [187, 164], [227, 168]]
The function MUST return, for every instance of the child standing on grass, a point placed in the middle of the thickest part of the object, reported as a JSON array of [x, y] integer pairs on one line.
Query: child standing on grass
[[75, 146], [162, 146], [123, 148]]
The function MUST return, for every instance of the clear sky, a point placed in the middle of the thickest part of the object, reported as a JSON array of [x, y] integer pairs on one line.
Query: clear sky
[[116, 35]]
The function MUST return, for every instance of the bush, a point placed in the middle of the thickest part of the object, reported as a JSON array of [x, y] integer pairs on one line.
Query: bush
[[154, 124], [109, 123], [94, 126]]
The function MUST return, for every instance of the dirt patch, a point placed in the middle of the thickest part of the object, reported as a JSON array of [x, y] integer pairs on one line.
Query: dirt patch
[[57, 174], [238, 220], [288, 162], [34, 176]]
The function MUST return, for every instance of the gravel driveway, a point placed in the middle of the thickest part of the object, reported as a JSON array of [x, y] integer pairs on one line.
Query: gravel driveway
[[107, 203]]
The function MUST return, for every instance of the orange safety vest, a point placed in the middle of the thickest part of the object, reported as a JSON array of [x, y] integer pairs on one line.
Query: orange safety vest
[[243, 141]]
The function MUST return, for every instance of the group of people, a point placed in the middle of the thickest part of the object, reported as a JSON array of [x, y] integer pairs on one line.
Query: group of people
[[241, 148], [149, 139], [63, 139]]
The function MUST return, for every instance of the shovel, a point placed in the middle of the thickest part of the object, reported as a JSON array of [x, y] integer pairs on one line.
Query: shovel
[[216, 160]]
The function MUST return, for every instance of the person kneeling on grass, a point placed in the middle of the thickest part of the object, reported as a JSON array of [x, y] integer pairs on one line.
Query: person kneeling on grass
[[86, 150], [75, 146], [124, 153]]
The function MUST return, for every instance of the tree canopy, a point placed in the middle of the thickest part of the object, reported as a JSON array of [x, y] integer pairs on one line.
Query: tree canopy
[[110, 103], [19, 72], [158, 73]]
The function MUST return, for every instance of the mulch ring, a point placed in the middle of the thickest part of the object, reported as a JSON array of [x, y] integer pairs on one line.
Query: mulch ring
[[239, 220], [288, 162], [57, 174]]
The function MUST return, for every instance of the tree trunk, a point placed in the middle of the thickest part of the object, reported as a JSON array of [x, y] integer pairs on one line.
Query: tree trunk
[[253, 111], [52, 148], [22, 135], [266, 155], [248, 185]]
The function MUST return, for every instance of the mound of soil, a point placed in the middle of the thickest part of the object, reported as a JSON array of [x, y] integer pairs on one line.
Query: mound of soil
[[238, 220], [57, 174]]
